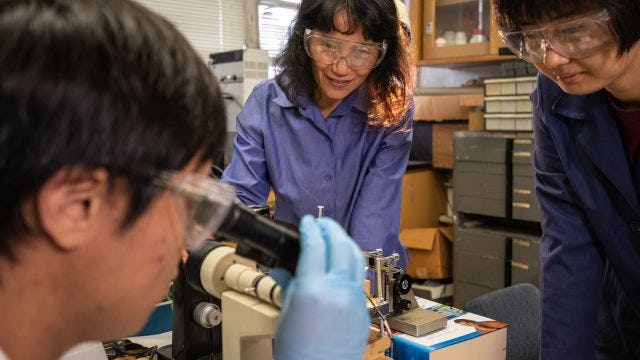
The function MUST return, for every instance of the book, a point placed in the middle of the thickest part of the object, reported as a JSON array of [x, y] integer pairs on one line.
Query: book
[[467, 336]]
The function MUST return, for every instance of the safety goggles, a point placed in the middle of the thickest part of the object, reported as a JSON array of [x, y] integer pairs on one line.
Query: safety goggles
[[576, 38], [201, 201], [328, 50]]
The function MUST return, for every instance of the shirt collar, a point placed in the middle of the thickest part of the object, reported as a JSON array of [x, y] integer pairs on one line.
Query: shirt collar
[[282, 99], [361, 101], [579, 106], [357, 99]]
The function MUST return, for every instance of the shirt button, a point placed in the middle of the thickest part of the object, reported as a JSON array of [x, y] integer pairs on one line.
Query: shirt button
[[328, 178], [635, 226]]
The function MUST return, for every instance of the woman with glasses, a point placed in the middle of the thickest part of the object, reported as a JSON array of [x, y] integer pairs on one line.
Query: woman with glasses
[[333, 129], [587, 169]]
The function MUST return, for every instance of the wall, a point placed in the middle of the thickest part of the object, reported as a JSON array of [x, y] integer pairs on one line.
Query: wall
[[431, 76]]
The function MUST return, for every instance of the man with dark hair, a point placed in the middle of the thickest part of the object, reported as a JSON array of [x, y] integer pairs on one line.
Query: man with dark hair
[[586, 122], [108, 124]]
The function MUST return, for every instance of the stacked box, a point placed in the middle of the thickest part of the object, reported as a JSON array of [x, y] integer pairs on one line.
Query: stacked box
[[507, 104], [508, 122], [524, 204], [517, 68], [482, 173], [493, 176], [442, 143], [525, 260], [488, 258], [509, 86], [480, 263]]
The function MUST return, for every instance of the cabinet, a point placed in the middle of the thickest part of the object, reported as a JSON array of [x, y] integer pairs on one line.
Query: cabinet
[[460, 30], [497, 230], [480, 263], [457, 28]]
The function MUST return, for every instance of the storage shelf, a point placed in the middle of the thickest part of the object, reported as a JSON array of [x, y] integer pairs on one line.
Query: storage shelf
[[454, 2], [466, 60]]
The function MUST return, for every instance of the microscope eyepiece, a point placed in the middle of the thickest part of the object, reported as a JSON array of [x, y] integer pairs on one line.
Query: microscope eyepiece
[[267, 242]]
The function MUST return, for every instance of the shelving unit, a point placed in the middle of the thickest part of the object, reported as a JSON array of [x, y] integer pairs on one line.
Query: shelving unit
[[496, 232], [453, 2], [467, 60], [496, 241]]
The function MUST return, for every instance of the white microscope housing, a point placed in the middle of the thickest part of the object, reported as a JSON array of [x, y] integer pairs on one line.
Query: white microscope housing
[[250, 303]]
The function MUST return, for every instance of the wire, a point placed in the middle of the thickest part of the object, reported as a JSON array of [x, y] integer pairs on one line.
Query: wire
[[153, 353], [382, 317], [383, 323]]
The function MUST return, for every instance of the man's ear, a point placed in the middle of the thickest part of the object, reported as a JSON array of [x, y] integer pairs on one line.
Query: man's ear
[[70, 204]]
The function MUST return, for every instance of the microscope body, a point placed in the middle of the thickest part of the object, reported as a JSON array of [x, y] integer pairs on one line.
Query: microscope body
[[250, 326], [216, 284], [191, 340]]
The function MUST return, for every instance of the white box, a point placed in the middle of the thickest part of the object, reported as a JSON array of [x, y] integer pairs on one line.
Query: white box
[[484, 340]]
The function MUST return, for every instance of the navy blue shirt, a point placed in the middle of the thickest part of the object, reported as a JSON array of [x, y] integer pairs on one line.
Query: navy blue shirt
[[589, 216], [351, 168]]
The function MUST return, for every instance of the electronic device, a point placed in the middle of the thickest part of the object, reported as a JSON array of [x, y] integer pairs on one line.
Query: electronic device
[[394, 301], [198, 291]]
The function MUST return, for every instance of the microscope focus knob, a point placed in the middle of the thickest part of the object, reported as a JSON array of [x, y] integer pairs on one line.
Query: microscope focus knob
[[403, 283], [207, 315]]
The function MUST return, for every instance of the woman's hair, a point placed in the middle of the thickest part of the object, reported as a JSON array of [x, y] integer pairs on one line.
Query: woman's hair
[[388, 86], [625, 15]]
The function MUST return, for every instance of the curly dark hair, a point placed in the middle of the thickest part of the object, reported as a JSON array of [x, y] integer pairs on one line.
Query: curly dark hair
[[388, 86], [97, 84], [625, 15]]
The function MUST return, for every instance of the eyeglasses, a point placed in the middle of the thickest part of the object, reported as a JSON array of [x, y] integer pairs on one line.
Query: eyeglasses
[[328, 50], [203, 203], [577, 38]]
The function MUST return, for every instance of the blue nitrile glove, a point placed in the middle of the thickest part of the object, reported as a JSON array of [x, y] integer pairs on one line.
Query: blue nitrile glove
[[324, 315]]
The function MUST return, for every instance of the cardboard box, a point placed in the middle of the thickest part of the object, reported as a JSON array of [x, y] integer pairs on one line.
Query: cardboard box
[[445, 107], [442, 143], [429, 251], [424, 198], [476, 121]]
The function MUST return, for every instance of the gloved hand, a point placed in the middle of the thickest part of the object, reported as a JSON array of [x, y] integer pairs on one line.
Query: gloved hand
[[324, 314]]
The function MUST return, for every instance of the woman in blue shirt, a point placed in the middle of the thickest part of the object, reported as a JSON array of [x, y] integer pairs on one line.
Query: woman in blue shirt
[[333, 129]]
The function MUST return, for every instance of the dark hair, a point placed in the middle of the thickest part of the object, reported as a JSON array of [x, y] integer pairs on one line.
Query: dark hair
[[625, 15], [388, 85], [97, 84]]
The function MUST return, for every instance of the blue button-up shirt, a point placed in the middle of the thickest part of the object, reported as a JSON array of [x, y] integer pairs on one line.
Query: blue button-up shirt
[[352, 169], [589, 205]]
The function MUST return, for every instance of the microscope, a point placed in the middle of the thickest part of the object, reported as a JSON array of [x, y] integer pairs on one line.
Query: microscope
[[221, 280], [230, 281], [247, 299]]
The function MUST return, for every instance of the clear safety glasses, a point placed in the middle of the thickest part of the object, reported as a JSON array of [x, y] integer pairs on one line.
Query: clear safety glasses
[[576, 38], [358, 55], [201, 201]]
